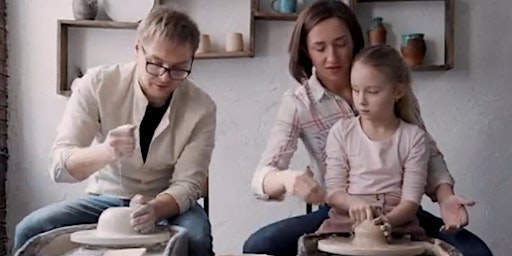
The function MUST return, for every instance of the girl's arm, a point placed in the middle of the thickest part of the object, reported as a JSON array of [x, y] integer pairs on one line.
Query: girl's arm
[[414, 177], [336, 175]]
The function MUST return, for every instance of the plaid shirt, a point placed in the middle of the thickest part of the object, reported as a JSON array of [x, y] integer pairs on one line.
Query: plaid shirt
[[308, 113]]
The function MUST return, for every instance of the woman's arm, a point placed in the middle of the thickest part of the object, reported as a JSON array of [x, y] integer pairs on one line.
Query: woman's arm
[[269, 179], [438, 176]]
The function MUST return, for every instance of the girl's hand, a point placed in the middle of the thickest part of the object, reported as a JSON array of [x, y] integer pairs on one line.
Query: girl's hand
[[383, 222], [359, 209]]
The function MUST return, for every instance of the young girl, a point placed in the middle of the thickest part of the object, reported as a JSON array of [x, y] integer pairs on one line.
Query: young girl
[[376, 162]]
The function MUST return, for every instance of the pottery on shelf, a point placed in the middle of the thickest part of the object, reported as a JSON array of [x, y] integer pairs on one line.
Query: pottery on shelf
[[85, 9], [377, 32], [413, 48], [234, 42], [205, 45]]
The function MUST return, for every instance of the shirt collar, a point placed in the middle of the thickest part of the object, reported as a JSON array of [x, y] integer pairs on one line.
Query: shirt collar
[[318, 91]]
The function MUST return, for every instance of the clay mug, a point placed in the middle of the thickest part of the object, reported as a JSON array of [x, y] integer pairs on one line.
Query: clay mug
[[234, 42]]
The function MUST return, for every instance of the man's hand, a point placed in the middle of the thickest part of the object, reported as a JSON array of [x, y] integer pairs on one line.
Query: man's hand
[[454, 213], [304, 185], [143, 218], [120, 141]]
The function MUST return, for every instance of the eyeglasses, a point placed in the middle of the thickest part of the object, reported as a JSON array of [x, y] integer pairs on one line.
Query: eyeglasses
[[159, 70]]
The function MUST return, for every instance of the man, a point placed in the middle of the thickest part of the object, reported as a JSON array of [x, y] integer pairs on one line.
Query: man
[[152, 133]]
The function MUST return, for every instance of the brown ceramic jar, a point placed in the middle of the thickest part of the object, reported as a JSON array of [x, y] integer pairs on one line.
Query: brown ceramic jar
[[377, 32], [413, 48]]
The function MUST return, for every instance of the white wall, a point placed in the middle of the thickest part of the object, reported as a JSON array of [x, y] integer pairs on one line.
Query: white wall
[[466, 109]]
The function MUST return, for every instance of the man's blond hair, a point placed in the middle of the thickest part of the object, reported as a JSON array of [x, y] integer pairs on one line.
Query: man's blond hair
[[169, 24]]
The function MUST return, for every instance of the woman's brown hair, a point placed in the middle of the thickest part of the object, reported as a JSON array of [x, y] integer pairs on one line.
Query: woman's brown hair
[[300, 64]]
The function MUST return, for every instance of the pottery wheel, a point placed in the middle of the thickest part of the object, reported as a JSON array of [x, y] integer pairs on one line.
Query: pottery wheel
[[344, 246], [94, 238], [369, 240]]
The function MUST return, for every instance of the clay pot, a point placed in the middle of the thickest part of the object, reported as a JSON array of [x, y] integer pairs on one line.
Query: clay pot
[[85, 9], [377, 32], [413, 48], [205, 45]]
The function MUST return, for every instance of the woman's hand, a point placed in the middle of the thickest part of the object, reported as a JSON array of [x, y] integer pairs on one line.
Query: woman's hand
[[454, 213], [303, 184]]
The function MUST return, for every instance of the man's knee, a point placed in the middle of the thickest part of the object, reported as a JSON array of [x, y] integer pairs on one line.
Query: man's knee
[[28, 227], [200, 243]]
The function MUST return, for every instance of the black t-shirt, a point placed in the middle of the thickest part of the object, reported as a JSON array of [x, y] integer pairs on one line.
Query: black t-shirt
[[150, 121]]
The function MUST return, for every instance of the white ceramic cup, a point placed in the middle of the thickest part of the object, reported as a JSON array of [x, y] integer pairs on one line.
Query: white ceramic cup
[[234, 42], [205, 44]]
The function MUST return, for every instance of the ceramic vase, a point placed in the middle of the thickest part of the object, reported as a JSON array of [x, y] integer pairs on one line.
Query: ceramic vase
[[413, 48], [85, 9], [377, 32]]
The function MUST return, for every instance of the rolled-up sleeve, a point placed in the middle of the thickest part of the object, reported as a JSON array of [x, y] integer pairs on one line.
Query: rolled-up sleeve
[[437, 172], [78, 126], [281, 145], [191, 169]]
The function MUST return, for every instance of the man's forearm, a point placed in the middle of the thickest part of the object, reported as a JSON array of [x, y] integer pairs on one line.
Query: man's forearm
[[165, 206], [83, 162]]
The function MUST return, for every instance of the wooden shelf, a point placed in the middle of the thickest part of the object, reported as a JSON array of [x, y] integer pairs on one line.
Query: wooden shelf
[[63, 88], [98, 24], [448, 33], [275, 16], [431, 68], [221, 55]]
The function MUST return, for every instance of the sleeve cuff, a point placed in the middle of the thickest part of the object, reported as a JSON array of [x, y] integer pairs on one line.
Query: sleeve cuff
[[257, 182], [438, 174], [180, 195], [58, 170]]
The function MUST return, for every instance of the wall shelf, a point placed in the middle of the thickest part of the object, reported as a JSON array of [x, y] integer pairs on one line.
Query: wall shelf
[[431, 68], [63, 86], [220, 55], [275, 16], [448, 29]]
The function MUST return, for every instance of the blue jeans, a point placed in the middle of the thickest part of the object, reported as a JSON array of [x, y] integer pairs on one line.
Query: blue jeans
[[280, 238], [88, 209]]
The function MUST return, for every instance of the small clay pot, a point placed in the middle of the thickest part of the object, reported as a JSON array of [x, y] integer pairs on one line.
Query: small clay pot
[[413, 48], [377, 32], [85, 9]]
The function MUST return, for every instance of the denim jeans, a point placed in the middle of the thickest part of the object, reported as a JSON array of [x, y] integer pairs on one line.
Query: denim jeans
[[280, 238], [87, 210]]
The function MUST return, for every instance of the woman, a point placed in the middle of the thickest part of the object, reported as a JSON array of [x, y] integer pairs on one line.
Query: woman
[[325, 39]]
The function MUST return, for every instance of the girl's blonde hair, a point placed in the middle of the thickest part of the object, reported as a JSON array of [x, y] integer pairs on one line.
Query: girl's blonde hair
[[172, 25], [387, 61]]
